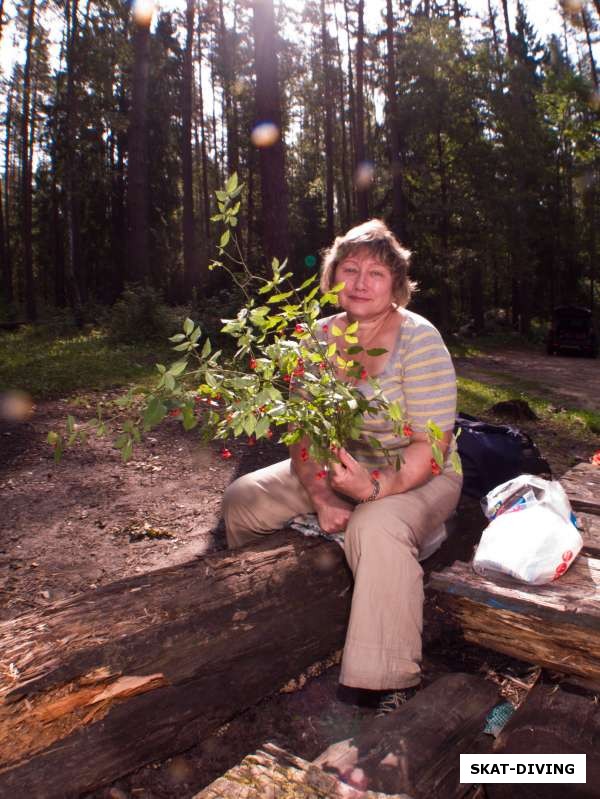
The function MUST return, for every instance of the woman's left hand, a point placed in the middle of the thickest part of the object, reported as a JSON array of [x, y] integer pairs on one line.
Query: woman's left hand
[[349, 477]]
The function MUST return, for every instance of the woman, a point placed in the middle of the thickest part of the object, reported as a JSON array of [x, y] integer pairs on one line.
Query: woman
[[389, 517]]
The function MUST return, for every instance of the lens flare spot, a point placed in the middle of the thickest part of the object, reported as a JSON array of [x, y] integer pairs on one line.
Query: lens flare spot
[[266, 134], [143, 11], [363, 177], [310, 261], [15, 406]]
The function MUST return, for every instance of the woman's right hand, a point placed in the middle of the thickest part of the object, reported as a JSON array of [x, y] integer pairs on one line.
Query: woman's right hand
[[333, 512]]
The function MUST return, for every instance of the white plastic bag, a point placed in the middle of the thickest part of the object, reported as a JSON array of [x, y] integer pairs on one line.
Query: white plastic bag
[[532, 535]]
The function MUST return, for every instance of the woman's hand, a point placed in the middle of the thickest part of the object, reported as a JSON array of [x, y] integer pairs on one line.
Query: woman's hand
[[349, 477], [333, 513]]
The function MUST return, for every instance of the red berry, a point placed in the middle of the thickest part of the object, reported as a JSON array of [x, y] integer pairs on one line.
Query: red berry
[[287, 378], [407, 430], [320, 475], [325, 328], [363, 374], [375, 474], [251, 441], [304, 454], [252, 363], [225, 453], [299, 329], [175, 412], [269, 433], [435, 469], [322, 365]]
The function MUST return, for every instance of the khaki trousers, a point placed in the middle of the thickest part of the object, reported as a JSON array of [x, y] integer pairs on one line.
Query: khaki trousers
[[382, 543]]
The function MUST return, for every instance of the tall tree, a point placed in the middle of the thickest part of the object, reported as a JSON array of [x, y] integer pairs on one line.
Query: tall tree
[[190, 257], [137, 141], [328, 97], [362, 176], [26, 171], [397, 216], [273, 185]]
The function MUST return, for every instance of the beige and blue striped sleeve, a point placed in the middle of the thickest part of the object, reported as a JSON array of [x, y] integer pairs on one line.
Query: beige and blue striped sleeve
[[429, 380]]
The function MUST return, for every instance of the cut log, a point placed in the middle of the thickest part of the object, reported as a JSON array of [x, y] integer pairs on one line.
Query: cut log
[[589, 525], [552, 721], [104, 682], [555, 625], [582, 484], [416, 748], [274, 773]]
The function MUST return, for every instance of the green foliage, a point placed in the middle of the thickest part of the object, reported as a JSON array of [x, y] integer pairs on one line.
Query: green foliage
[[282, 374], [44, 365], [139, 315]]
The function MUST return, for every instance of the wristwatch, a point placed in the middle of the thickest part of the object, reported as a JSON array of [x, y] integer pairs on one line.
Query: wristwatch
[[374, 493]]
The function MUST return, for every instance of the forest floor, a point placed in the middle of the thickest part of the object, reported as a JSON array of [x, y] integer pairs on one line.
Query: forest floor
[[89, 520]]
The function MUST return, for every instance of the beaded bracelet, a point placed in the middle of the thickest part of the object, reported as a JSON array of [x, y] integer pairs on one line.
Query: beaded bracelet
[[374, 493]]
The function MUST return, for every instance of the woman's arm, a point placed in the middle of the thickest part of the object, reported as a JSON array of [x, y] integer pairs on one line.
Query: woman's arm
[[352, 479], [332, 510]]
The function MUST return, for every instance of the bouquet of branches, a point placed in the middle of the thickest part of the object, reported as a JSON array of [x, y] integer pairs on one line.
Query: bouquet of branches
[[283, 376]]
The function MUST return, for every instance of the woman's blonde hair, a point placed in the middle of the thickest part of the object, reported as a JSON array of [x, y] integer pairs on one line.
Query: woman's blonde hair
[[375, 238]]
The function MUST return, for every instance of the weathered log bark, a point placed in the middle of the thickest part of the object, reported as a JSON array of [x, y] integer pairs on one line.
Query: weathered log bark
[[552, 720], [582, 484], [416, 748], [555, 625], [99, 684], [272, 772]]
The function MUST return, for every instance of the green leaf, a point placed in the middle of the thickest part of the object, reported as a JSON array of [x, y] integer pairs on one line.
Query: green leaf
[[189, 420], [331, 349], [206, 349], [154, 413], [307, 282], [434, 430], [278, 297], [177, 338], [354, 350], [456, 462], [70, 424], [188, 326], [178, 367], [336, 330], [224, 241], [376, 351], [262, 426], [437, 454], [350, 339], [351, 329], [337, 288], [52, 438], [232, 183]]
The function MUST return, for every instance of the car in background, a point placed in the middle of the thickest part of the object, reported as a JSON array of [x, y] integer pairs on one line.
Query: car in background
[[572, 330]]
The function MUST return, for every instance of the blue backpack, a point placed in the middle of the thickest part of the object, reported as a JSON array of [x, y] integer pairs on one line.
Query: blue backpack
[[494, 453]]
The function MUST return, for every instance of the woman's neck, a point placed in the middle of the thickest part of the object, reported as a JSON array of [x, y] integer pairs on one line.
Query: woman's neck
[[368, 327]]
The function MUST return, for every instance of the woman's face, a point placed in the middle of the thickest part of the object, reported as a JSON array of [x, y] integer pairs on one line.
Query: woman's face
[[368, 285]]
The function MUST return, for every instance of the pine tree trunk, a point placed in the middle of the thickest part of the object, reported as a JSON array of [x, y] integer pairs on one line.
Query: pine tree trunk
[[398, 215], [362, 191], [72, 264], [274, 192], [352, 99], [203, 149], [26, 199], [325, 53], [137, 173], [586, 26], [7, 209], [190, 260]]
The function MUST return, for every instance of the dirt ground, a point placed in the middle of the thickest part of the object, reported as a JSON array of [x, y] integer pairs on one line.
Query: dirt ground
[[70, 527]]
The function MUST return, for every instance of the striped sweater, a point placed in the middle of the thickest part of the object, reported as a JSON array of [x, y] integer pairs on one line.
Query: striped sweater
[[419, 374]]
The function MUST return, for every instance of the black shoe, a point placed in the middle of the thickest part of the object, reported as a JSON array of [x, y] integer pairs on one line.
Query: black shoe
[[359, 697]]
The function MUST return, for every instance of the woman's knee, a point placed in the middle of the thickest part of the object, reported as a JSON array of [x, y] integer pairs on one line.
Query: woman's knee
[[367, 530]]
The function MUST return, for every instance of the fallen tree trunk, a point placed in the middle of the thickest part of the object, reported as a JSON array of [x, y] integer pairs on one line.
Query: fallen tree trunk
[[555, 625], [100, 684]]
